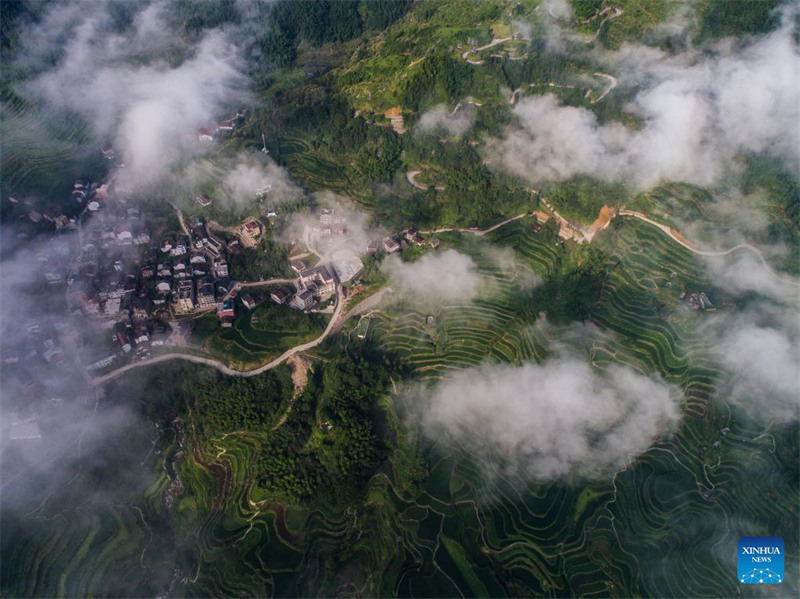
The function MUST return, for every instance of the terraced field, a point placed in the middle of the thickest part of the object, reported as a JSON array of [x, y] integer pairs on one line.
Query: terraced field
[[80, 543], [666, 524], [440, 521], [265, 332], [493, 327], [26, 162], [313, 170]]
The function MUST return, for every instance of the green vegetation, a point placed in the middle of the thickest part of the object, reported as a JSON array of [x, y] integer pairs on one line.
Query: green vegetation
[[721, 18], [581, 198], [258, 335], [325, 482], [49, 169], [439, 78], [327, 448], [570, 293], [322, 21], [771, 191], [236, 404], [269, 259], [781, 188], [497, 325], [275, 485]]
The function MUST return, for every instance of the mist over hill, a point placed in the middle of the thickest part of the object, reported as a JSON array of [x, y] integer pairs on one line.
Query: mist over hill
[[397, 298]]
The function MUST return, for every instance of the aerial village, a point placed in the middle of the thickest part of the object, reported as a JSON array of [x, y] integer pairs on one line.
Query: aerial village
[[147, 288]]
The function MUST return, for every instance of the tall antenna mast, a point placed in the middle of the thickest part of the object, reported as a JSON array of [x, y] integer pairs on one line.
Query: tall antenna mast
[[264, 142]]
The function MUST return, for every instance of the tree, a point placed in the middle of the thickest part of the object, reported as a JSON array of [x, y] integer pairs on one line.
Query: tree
[[379, 14], [279, 46], [345, 21], [574, 288], [439, 78]]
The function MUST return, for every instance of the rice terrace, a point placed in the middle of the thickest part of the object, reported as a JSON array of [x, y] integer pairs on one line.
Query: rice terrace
[[399, 298]]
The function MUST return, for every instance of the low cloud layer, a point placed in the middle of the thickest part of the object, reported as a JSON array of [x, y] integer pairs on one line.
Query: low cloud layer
[[240, 180], [442, 278], [343, 234], [758, 345], [764, 362], [698, 113], [558, 418], [440, 120], [558, 9], [144, 89]]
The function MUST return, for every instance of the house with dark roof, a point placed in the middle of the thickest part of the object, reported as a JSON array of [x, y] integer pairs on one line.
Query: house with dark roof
[[205, 292], [303, 300], [280, 296], [248, 301], [390, 245]]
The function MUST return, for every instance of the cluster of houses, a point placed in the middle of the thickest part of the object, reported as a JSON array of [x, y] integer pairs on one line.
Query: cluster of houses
[[408, 237], [32, 348], [220, 129], [117, 274], [314, 285], [329, 226], [135, 338], [85, 196], [696, 301], [250, 231], [121, 276]]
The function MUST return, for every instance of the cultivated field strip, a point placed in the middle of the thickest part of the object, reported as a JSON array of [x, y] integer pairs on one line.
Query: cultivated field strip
[[664, 524], [26, 161]]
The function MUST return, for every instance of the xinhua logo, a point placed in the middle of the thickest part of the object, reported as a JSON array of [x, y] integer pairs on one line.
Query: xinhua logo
[[760, 560]]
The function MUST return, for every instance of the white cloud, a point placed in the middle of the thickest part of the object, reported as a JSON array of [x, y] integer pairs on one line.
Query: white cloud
[[127, 89], [249, 177], [698, 112], [440, 278], [553, 419], [559, 9], [456, 123]]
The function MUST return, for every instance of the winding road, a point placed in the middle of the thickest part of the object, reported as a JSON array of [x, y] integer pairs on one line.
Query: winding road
[[411, 176], [336, 321], [477, 232], [716, 254], [612, 83], [227, 369], [334, 324], [491, 44]]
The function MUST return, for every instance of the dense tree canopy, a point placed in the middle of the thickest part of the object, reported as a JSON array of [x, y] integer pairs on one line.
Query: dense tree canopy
[[329, 439], [570, 293], [269, 259]]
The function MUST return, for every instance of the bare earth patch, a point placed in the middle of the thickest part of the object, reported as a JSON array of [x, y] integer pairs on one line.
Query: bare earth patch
[[602, 220], [300, 367]]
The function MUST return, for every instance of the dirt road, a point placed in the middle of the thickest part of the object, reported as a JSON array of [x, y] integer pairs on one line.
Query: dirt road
[[181, 220], [411, 176], [365, 306], [477, 232], [692, 247], [266, 283], [491, 44], [612, 83]]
